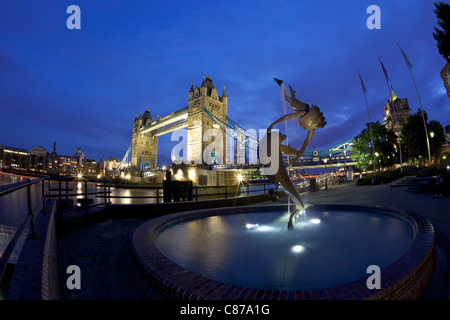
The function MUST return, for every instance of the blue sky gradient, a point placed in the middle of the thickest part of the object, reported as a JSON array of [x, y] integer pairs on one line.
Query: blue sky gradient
[[83, 88]]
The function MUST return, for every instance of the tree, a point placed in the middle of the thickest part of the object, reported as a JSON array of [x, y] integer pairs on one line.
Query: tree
[[414, 143], [442, 37], [384, 145], [437, 138]]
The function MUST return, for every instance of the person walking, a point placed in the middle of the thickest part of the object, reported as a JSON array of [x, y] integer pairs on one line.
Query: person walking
[[438, 186]]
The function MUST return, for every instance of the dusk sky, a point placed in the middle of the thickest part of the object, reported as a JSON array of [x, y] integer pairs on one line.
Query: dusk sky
[[83, 88]]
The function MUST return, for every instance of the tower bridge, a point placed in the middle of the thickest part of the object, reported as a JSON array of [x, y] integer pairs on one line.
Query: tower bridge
[[202, 101], [206, 110]]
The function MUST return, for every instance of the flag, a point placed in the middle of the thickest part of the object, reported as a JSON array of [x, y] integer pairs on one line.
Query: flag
[[393, 95], [404, 56], [362, 83], [384, 70]]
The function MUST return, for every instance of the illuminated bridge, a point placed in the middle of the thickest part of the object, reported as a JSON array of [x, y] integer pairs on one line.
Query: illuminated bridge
[[207, 109]]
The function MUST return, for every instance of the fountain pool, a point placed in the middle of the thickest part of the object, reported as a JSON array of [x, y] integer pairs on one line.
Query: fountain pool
[[248, 253]]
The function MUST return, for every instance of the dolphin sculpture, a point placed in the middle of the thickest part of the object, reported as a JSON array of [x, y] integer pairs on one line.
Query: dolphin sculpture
[[309, 119]]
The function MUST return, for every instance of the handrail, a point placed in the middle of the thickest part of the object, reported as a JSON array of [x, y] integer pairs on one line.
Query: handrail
[[4, 190]]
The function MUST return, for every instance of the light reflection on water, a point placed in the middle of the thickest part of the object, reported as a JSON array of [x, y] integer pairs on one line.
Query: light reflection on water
[[256, 250]]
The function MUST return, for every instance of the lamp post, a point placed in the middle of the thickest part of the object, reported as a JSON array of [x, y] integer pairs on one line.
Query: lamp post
[[434, 152], [326, 180]]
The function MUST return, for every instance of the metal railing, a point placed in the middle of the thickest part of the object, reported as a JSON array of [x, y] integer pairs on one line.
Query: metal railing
[[82, 197], [4, 190], [197, 192]]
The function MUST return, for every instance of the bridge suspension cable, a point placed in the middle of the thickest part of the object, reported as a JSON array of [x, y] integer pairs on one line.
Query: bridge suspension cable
[[126, 161], [333, 150]]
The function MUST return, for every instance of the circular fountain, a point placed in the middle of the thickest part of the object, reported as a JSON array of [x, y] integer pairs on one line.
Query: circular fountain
[[248, 253]]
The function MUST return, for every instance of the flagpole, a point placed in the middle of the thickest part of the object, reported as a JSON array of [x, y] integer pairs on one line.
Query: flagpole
[[395, 114], [370, 126], [408, 63]]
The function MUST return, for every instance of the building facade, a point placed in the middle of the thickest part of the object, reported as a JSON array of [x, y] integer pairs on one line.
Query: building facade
[[206, 141], [143, 145], [1, 155], [399, 111], [16, 159], [39, 158]]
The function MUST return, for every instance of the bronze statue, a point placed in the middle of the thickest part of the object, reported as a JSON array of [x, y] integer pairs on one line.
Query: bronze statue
[[309, 119]]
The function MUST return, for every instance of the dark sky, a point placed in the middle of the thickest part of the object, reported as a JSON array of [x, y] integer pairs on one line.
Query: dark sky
[[83, 88]]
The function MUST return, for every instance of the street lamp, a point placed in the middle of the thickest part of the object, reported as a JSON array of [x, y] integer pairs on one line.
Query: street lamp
[[326, 180], [434, 152]]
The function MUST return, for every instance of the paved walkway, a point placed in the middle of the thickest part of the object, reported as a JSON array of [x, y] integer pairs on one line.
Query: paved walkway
[[103, 250]]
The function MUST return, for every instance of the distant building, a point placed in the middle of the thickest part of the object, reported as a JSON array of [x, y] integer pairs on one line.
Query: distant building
[[68, 165], [90, 167], [39, 158], [111, 165], [71, 165], [398, 110], [80, 156], [1, 156], [16, 158], [53, 162]]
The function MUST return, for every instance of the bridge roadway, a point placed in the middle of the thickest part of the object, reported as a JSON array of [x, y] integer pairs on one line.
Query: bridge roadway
[[175, 121], [314, 162]]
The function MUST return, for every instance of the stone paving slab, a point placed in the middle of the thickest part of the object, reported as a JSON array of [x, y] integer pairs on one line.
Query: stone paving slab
[[103, 253]]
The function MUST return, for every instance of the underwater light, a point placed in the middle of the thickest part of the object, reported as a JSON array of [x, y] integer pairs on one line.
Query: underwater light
[[251, 225], [298, 248]]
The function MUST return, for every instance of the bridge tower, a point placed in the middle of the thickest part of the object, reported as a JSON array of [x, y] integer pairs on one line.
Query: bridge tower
[[144, 145], [200, 99]]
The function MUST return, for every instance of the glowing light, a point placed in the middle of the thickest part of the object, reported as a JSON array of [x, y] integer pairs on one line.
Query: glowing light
[[79, 176], [240, 178], [128, 177], [251, 225], [99, 176], [164, 167], [191, 174], [298, 248], [315, 221], [79, 185], [264, 228]]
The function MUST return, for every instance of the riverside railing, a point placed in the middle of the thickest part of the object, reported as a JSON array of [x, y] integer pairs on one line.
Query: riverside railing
[[62, 193], [82, 196], [4, 190], [196, 192]]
